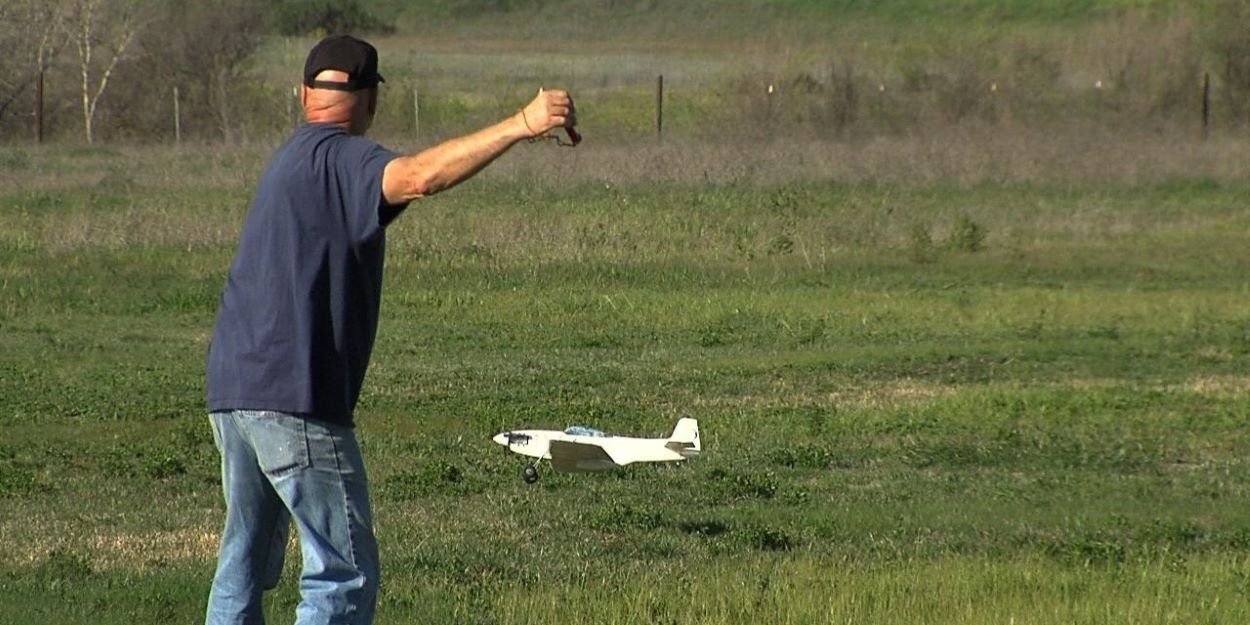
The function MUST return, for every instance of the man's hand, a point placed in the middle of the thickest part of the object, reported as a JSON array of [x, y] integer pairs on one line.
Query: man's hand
[[548, 111], [455, 160]]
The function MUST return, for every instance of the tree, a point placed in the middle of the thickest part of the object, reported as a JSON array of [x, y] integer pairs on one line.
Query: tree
[[303, 17], [102, 31], [34, 31], [210, 40]]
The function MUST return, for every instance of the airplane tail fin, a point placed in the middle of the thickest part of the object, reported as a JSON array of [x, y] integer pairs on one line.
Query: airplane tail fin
[[685, 438]]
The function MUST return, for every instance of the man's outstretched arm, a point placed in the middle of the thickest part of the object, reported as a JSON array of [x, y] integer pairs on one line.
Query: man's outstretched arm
[[449, 163]]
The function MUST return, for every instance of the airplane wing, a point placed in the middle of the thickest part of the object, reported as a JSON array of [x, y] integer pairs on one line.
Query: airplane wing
[[570, 456]]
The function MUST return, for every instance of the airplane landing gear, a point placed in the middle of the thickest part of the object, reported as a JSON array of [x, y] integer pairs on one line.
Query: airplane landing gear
[[529, 474]]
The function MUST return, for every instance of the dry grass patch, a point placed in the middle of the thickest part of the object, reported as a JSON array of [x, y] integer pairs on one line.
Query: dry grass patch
[[967, 154], [113, 551], [1227, 386], [1222, 385], [143, 550], [885, 396], [135, 227]]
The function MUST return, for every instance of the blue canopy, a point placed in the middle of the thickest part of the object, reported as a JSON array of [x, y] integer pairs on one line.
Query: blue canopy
[[581, 430]]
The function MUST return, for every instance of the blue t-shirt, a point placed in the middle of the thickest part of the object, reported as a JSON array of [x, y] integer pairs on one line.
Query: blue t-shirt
[[300, 308]]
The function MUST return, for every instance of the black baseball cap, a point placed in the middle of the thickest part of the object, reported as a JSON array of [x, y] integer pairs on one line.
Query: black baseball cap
[[344, 53]]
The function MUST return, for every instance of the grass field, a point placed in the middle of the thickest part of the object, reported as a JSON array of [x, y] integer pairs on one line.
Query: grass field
[[942, 394], [974, 357]]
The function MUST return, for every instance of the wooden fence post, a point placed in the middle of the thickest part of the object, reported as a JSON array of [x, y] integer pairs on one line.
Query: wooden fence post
[[880, 103], [292, 116], [39, 107], [772, 107], [1206, 103], [177, 118], [659, 106]]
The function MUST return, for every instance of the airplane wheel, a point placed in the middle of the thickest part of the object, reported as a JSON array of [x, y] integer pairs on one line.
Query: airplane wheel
[[529, 474]]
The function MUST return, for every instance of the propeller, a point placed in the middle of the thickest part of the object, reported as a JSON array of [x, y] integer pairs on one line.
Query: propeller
[[508, 439]]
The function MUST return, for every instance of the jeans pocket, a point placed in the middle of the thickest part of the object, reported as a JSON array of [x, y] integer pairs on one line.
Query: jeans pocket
[[217, 440], [280, 441]]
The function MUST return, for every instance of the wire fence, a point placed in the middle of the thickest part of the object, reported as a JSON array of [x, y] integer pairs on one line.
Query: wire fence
[[834, 106]]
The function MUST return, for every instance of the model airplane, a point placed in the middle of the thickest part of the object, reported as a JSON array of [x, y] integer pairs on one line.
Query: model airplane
[[586, 449]]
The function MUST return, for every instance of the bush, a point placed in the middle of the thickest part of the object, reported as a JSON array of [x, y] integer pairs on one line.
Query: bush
[[430, 479], [618, 516], [736, 486], [322, 17], [967, 235], [1231, 48], [474, 8], [769, 539], [63, 568], [920, 243], [704, 527]]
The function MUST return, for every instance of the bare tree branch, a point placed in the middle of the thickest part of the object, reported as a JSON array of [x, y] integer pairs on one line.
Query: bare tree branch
[[90, 34]]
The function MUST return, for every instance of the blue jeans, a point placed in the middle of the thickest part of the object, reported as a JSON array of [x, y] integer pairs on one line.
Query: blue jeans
[[275, 468]]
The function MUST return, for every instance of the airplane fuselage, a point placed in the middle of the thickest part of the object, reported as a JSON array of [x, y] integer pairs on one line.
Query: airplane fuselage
[[586, 449]]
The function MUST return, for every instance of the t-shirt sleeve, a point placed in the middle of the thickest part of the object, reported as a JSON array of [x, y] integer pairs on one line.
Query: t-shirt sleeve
[[360, 165]]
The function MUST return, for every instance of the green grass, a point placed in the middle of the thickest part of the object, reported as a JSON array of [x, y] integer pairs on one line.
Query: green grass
[[922, 402]]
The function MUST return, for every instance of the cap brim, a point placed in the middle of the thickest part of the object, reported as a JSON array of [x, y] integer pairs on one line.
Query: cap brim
[[334, 85]]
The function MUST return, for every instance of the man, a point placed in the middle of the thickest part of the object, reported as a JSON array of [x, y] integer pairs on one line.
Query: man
[[296, 328]]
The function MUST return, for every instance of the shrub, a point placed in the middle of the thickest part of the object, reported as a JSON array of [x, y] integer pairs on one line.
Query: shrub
[[966, 235], [768, 539], [163, 464], [17, 480], [920, 243], [1231, 48], [63, 568], [429, 479], [619, 516], [320, 17], [704, 527]]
